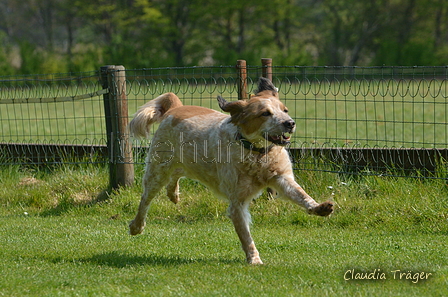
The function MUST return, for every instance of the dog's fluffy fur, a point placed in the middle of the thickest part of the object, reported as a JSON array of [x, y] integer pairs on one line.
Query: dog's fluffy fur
[[235, 156]]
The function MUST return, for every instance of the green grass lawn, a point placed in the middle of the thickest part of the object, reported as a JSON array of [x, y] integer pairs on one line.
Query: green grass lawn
[[63, 233]]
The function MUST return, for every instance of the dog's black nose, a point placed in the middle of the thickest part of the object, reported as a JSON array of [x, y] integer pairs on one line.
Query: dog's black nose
[[289, 124]]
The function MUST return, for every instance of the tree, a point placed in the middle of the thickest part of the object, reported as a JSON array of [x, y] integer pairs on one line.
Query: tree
[[350, 27], [62, 35]]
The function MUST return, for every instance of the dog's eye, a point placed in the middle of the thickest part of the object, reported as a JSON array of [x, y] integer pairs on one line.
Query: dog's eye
[[286, 111], [266, 113]]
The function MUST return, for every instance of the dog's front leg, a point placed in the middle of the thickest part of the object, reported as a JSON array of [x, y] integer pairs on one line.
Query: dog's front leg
[[289, 189], [240, 216]]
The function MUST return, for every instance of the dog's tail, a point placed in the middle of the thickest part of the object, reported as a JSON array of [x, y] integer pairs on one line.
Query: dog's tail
[[152, 112]]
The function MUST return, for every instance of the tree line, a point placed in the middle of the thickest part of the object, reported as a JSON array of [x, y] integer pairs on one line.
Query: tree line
[[42, 36]]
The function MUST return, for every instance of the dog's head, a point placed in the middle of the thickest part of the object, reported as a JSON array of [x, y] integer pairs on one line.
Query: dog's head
[[263, 117]]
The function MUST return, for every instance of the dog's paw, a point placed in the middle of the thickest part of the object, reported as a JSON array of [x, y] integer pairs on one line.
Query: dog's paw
[[254, 261], [324, 209], [174, 197], [135, 229]]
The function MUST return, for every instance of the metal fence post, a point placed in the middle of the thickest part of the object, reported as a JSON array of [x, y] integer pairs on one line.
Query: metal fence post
[[121, 167], [242, 79]]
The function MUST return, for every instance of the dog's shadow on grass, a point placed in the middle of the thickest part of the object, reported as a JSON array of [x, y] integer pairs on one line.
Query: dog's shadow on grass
[[121, 260]]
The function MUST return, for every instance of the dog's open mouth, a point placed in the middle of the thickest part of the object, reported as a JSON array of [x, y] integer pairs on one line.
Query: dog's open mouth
[[282, 139]]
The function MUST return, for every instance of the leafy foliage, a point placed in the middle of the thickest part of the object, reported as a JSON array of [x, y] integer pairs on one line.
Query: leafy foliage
[[62, 35]]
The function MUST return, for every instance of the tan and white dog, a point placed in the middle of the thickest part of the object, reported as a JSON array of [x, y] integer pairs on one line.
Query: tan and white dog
[[235, 156]]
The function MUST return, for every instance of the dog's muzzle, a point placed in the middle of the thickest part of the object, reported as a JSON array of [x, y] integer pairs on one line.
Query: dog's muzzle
[[283, 139], [290, 125]]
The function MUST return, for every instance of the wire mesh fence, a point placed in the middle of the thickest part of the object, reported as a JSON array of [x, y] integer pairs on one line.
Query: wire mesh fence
[[363, 120], [55, 118]]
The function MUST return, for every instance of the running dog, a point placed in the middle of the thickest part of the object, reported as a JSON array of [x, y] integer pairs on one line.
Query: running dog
[[235, 156]]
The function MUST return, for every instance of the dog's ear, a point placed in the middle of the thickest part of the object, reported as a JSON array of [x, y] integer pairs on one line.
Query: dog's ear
[[222, 103], [232, 107], [235, 108], [265, 84]]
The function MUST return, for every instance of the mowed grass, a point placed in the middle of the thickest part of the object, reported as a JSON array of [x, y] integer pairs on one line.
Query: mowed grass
[[63, 233]]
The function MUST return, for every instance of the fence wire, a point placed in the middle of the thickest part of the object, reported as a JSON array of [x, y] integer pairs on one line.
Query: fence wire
[[48, 119], [363, 120]]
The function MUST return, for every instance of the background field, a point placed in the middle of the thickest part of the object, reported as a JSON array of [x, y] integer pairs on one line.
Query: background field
[[64, 234]]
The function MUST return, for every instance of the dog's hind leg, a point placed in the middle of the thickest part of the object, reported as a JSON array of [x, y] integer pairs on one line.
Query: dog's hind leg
[[152, 184], [172, 189], [240, 216]]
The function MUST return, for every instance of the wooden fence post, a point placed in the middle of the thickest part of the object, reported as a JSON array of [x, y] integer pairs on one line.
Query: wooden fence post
[[266, 69], [121, 166], [266, 72], [242, 79]]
